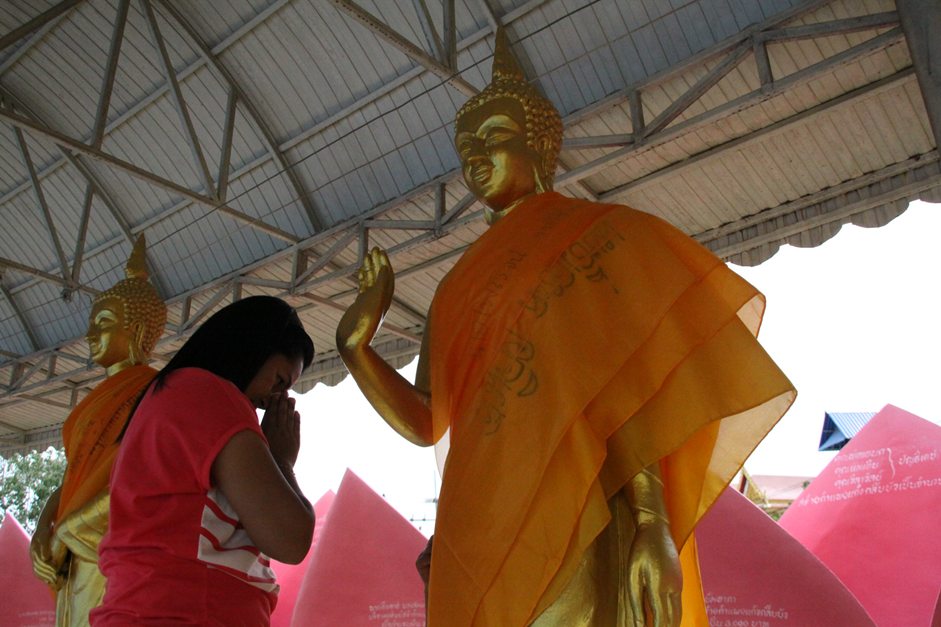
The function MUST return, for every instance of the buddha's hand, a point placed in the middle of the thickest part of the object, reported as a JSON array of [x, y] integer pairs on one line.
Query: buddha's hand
[[655, 576], [281, 425], [40, 552], [362, 319]]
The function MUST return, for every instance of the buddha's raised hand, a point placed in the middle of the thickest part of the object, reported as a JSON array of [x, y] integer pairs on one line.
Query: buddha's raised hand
[[362, 319]]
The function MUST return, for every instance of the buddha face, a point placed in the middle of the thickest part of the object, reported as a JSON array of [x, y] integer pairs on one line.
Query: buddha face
[[499, 167], [111, 338]]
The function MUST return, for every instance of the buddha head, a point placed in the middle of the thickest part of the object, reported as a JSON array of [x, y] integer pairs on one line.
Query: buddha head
[[508, 137], [126, 320]]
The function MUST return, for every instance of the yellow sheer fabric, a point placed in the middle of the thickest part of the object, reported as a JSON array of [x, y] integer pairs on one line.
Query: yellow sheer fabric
[[575, 344], [90, 435]]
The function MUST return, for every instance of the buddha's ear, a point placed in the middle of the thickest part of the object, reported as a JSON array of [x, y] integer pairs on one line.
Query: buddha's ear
[[136, 347], [545, 165]]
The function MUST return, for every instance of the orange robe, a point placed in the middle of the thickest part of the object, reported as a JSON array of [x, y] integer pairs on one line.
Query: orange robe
[[573, 345], [90, 436]]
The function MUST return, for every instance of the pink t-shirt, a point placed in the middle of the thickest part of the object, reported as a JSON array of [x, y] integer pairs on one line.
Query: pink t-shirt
[[175, 552]]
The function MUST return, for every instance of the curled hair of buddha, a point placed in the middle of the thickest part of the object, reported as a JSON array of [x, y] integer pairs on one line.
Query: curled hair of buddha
[[542, 121], [140, 299]]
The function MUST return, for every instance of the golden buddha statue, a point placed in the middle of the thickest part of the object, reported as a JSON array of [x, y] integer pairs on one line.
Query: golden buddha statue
[[598, 374], [124, 325]]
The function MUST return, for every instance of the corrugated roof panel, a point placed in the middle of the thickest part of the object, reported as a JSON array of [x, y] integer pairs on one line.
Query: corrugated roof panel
[[104, 267], [136, 199], [156, 141], [41, 304], [840, 427], [13, 337]]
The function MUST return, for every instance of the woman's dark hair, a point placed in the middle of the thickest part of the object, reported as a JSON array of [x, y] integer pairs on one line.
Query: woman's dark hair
[[238, 339]]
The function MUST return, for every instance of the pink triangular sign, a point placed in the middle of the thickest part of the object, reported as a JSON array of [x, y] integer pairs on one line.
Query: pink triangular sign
[[290, 576], [873, 516], [27, 601], [754, 573], [362, 572]]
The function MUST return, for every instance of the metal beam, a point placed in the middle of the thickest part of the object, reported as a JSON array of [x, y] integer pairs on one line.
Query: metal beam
[[45, 276], [431, 33], [225, 156], [34, 39], [289, 143], [491, 13], [325, 259], [43, 206], [141, 174], [37, 22], [313, 216], [74, 162], [178, 100], [921, 22], [695, 92], [78, 257], [450, 35], [832, 27], [208, 306], [761, 134], [27, 327], [101, 117], [449, 76], [734, 106], [27, 373], [107, 82], [99, 190]]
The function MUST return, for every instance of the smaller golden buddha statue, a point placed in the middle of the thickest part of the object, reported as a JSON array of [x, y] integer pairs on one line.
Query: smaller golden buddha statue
[[124, 325], [598, 376]]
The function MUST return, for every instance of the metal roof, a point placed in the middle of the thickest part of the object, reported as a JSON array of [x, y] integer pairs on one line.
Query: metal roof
[[840, 427], [263, 145]]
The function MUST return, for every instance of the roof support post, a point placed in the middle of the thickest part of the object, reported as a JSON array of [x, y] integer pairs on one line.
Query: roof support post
[[921, 23]]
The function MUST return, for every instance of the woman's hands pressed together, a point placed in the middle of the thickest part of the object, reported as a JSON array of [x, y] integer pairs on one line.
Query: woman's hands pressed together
[[281, 425]]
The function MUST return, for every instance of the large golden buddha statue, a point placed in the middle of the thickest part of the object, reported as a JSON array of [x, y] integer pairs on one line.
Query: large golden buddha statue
[[124, 325], [599, 377]]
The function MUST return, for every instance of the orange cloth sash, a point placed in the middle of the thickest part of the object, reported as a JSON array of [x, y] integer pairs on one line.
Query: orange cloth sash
[[90, 433], [573, 345]]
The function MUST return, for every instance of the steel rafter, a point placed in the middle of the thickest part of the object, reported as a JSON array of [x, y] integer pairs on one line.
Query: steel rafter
[[178, 100], [43, 206], [921, 21], [95, 186], [313, 217], [27, 327], [141, 174], [37, 22], [406, 47]]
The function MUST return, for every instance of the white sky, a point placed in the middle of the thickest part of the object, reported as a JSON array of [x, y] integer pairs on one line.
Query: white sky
[[854, 323]]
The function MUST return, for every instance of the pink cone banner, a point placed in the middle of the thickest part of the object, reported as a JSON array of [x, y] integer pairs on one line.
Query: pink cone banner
[[362, 571], [27, 601], [290, 576], [755, 574], [873, 516]]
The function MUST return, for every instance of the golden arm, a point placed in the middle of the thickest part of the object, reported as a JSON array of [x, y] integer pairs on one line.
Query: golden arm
[[46, 563], [654, 573], [405, 407]]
